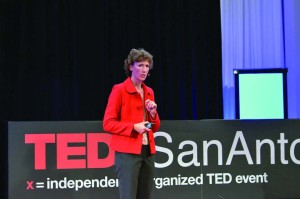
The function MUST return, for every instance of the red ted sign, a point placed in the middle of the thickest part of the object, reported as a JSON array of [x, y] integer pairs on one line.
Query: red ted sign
[[64, 150]]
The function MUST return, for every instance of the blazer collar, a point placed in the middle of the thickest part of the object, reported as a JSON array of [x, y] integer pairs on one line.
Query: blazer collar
[[130, 87]]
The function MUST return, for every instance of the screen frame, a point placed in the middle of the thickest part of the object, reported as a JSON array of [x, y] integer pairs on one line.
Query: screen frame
[[282, 71]]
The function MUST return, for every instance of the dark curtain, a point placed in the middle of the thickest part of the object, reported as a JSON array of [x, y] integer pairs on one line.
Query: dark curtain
[[60, 58]]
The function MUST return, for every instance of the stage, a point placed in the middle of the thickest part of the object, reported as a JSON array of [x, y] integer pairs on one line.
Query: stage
[[249, 159]]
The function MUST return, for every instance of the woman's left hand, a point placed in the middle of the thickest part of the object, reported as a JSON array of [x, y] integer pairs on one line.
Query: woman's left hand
[[151, 106]]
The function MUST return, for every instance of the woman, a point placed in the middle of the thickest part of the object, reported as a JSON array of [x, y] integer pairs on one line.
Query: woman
[[130, 108]]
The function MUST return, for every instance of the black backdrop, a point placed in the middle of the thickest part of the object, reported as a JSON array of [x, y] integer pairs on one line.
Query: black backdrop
[[60, 58]]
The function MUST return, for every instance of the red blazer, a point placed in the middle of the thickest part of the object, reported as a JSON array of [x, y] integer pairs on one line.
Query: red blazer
[[123, 110]]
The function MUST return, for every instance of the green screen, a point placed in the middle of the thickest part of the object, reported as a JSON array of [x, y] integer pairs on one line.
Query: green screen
[[261, 96]]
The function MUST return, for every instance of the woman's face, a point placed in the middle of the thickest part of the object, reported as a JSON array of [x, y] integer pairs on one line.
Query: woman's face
[[140, 70]]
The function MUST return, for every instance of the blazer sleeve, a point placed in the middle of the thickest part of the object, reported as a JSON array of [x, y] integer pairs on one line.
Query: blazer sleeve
[[112, 122], [155, 120]]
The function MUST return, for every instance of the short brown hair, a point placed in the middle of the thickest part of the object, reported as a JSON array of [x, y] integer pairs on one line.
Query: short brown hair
[[137, 55]]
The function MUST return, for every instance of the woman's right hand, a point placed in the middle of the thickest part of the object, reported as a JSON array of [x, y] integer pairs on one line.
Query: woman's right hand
[[140, 127]]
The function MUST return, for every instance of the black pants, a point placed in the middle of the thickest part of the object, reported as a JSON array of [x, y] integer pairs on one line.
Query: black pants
[[135, 174]]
